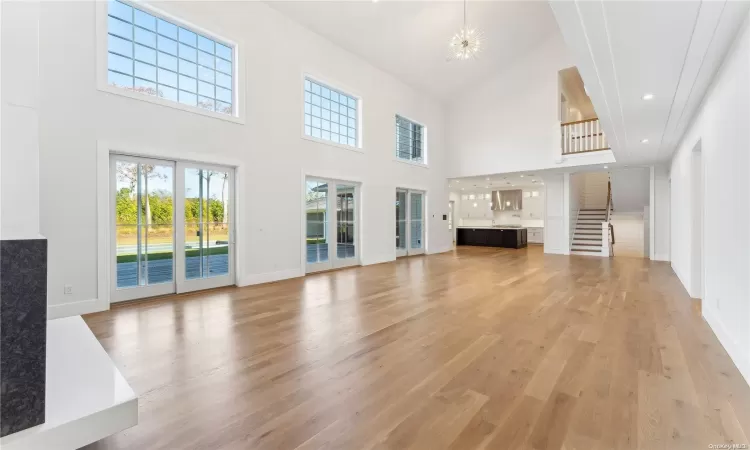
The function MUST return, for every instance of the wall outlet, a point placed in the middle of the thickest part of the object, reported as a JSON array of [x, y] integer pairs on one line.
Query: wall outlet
[[68, 289]]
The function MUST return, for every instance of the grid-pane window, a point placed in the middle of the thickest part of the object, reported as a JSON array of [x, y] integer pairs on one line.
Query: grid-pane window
[[330, 114], [156, 57], [409, 140]]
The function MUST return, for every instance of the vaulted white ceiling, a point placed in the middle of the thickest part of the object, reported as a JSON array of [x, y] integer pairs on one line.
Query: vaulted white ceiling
[[625, 49], [409, 39]]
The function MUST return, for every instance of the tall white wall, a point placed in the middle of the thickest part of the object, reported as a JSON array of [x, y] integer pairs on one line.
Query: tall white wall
[[630, 189], [510, 122], [74, 115], [19, 109], [720, 128]]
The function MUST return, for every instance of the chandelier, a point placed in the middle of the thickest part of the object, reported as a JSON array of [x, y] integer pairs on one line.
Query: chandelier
[[466, 43]]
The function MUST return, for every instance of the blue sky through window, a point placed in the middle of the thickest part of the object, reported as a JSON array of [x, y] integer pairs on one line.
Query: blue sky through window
[[155, 57]]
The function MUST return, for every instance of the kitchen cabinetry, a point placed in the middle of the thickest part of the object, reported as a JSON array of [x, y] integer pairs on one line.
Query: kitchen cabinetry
[[492, 237], [536, 235], [533, 204], [480, 211]]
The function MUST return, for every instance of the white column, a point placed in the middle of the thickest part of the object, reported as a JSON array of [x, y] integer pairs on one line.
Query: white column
[[19, 119]]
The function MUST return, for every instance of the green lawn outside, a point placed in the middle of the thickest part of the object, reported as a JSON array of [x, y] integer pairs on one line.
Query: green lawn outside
[[168, 255]]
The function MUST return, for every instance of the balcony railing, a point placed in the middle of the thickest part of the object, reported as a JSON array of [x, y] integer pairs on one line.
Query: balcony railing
[[582, 136]]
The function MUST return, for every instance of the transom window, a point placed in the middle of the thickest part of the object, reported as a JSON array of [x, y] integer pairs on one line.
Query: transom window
[[330, 114], [409, 140], [156, 57]]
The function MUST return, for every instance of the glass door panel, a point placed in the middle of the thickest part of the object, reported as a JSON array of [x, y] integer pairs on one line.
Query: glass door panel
[[143, 227], [345, 222], [416, 222], [316, 221], [331, 230], [409, 222], [205, 260], [401, 237]]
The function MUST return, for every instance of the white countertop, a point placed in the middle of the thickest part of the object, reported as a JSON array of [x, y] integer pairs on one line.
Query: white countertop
[[87, 397], [494, 228]]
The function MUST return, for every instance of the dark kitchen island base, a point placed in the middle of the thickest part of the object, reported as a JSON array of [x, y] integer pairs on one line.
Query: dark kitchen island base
[[492, 237]]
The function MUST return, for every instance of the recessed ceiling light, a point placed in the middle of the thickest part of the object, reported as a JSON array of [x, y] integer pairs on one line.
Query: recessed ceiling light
[[462, 189], [648, 96], [644, 141], [488, 178], [521, 176], [606, 167]]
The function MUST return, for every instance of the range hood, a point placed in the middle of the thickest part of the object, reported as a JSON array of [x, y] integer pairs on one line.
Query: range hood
[[507, 200]]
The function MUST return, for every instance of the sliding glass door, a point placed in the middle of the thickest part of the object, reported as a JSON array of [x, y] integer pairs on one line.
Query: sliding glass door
[[409, 222], [172, 228], [143, 227], [331, 228], [206, 236]]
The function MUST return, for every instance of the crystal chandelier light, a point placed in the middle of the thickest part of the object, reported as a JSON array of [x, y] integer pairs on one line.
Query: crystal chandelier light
[[466, 43]]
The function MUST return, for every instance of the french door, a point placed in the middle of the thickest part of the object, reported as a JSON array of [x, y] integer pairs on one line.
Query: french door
[[172, 229], [409, 222], [204, 235], [331, 210]]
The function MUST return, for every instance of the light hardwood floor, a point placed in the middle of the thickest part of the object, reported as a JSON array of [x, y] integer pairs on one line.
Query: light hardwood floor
[[477, 348]]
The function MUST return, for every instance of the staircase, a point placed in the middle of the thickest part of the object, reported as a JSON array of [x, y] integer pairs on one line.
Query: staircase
[[587, 237]]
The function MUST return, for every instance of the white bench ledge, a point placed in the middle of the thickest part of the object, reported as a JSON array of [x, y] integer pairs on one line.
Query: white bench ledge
[[87, 398]]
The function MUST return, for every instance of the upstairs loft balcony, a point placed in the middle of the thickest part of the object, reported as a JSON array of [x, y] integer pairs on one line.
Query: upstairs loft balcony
[[582, 136]]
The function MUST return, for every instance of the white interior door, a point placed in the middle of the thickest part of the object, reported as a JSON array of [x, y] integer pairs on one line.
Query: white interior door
[[410, 212], [331, 215], [142, 229], [205, 226]]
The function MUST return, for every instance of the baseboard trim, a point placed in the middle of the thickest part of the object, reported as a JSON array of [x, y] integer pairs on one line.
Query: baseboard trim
[[661, 258], [269, 277], [731, 346], [78, 308], [381, 260], [441, 250]]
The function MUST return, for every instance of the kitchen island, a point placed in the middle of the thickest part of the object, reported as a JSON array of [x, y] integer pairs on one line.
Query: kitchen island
[[498, 236]]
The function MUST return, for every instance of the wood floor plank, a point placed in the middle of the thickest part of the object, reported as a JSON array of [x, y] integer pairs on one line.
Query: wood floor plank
[[478, 348]]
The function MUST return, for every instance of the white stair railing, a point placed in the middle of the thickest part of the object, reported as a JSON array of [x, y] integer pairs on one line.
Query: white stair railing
[[582, 136]]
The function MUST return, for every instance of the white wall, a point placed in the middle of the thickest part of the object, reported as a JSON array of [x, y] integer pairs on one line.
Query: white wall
[[276, 51], [577, 182], [660, 215], [629, 234], [19, 144], [721, 128], [630, 189], [556, 226], [595, 190], [510, 122]]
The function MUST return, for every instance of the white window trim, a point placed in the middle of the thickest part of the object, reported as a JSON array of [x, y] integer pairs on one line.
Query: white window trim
[[339, 87], [102, 84], [425, 157]]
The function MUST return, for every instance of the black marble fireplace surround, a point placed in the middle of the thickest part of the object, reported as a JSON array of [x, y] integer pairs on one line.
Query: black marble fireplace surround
[[23, 333]]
